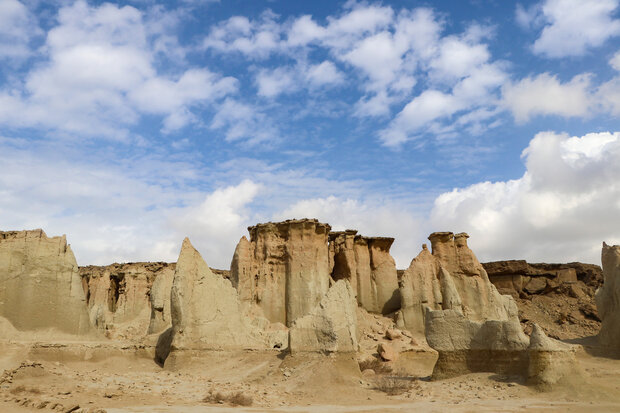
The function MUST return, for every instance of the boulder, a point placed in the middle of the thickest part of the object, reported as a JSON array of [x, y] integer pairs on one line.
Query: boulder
[[283, 269], [40, 286], [330, 327], [367, 264], [386, 352]]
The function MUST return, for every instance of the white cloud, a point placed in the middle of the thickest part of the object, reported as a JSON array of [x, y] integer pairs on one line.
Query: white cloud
[[243, 121], [290, 79], [17, 28], [615, 61], [100, 77], [561, 209], [574, 26], [546, 95], [370, 218]]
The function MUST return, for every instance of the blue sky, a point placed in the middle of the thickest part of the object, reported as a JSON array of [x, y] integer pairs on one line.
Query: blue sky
[[129, 125]]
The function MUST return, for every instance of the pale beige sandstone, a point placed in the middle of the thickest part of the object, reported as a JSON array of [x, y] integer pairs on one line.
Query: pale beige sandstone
[[330, 327], [550, 361], [467, 346], [367, 264], [608, 299], [129, 300], [451, 276], [40, 287], [283, 269], [207, 315]]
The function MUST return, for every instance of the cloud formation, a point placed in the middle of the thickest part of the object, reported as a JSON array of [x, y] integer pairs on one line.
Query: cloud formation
[[561, 209]]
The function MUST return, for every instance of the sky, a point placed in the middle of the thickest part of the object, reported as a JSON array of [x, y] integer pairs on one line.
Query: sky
[[130, 125]]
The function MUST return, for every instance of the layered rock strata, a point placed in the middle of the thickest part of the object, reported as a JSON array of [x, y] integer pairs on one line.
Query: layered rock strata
[[367, 264], [40, 286], [608, 299], [129, 300], [283, 270], [550, 361], [449, 276], [331, 326]]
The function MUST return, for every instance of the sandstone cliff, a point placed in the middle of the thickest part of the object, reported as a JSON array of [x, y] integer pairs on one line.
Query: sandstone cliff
[[129, 300], [368, 266], [283, 270], [40, 287]]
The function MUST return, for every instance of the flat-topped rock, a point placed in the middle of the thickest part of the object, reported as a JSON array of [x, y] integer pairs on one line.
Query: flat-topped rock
[[40, 287]]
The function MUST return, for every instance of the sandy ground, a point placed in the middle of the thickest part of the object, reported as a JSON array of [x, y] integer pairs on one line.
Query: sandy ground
[[115, 378]]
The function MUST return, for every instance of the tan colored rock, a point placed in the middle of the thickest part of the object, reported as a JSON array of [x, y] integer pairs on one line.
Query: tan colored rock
[[550, 361], [283, 269], [40, 286], [205, 309], [451, 277], [608, 299], [331, 326], [367, 264], [467, 346], [387, 352], [121, 297]]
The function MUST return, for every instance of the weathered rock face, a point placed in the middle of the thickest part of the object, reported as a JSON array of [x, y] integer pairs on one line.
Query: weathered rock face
[[367, 264], [520, 278], [558, 297], [550, 361], [331, 326], [467, 346], [608, 298], [40, 286], [449, 276], [283, 269], [207, 315], [121, 297]]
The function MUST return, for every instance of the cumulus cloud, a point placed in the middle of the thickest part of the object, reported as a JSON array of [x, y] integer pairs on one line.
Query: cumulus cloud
[[544, 94], [561, 209], [370, 218], [100, 76], [17, 28], [572, 27]]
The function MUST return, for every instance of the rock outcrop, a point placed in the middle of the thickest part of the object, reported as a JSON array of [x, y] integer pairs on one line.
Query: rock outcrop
[[449, 277], [519, 278], [608, 299], [207, 315], [367, 264], [129, 300], [558, 297], [330, 327], [467, 346], [40, 287], [550, 361], [283, 270]]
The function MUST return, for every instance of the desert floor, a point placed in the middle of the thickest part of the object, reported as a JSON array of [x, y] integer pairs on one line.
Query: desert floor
[[120, 378]]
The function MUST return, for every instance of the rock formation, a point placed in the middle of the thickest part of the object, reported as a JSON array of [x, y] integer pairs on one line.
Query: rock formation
[[520, 278], [283, 269], [207, 315], [331, 326], [550, 361], [40, 287], [558, 297], [367, 264], [608, 299], [129, 300], [449, 276]]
